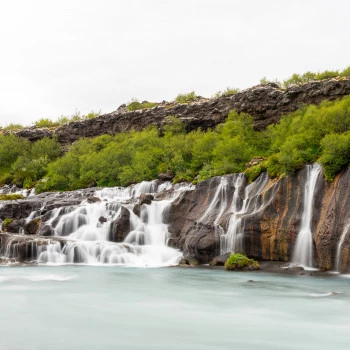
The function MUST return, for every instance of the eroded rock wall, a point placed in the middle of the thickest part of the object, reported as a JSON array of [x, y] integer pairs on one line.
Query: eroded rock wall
[[270, 227]]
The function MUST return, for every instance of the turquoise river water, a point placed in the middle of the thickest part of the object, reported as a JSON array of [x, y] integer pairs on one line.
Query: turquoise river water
[[86, 307]]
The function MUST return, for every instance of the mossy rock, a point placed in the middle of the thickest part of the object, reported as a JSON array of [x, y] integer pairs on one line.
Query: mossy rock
[[241, 262], [6, 222], [10, 197]]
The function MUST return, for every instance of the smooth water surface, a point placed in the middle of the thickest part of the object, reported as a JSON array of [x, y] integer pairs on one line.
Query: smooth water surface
[[85, 307]]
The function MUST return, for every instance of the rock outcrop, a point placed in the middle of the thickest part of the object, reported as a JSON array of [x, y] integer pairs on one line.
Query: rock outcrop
[[266, 103], [270, 226]]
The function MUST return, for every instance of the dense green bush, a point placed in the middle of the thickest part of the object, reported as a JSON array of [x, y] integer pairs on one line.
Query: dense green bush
[[24, 163]]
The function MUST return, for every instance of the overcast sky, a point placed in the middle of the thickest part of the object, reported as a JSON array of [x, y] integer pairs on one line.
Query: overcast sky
[[61, 56]]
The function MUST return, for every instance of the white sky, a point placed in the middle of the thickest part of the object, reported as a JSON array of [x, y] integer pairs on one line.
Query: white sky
[[57, 57]]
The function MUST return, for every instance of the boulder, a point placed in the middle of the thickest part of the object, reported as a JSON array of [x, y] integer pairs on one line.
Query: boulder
[[32, 227], [93, 199], [220, 260], [146, 198], [120, 227]]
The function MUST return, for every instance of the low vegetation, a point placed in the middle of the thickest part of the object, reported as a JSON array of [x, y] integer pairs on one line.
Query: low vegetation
[[135, 105], [299, 79], [240, 262], [186, 98], [227, 92]]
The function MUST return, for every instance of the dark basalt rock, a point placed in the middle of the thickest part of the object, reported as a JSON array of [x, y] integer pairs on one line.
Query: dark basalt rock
[[32, 227], [220, 260], [93, 199], [120, 227], [146, 198], [266, 103], [15, 226]]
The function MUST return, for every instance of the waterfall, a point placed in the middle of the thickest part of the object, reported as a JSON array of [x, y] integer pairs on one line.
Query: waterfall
[[110, 227], [344, 234], [303, 250], [241, 208]]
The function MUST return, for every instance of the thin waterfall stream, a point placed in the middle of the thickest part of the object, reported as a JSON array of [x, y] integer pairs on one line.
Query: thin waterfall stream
[[303, 250]]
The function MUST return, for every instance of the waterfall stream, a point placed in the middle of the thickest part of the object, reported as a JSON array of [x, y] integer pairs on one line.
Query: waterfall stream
[[303, 250], [344, 234], [104, 229]]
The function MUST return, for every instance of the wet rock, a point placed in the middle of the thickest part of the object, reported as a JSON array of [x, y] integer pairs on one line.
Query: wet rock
[[146, 198], [15, 226], [137, 209], [120, 227], [32, 227], [46, 230], [102, 219], [93, 199], [220, 260]]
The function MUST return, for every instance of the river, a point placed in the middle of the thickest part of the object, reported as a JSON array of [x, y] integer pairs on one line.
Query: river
[[112, 307]]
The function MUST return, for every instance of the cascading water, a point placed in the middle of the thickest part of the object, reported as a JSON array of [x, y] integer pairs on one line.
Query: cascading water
[[344, 234], [250, 204], [244, 201], [90, 232], [303, 251]]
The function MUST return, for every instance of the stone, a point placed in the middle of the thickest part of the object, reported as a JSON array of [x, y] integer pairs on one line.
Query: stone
[[102, 219], [146, 198], [93, 199], [32, 227], [15, 226], [220, 260], [120, 227]]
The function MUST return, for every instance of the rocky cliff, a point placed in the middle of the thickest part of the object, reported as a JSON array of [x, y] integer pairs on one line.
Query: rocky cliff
[[267, 220], [266, 103]]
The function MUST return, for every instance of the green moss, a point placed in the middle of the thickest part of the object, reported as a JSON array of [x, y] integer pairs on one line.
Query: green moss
[[10, 197], [6, 222], [239, 262]]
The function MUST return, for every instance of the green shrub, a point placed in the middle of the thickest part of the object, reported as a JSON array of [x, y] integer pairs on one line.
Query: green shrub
[[46, 123], [345, 72], [239, 262], [336, 153], [186, 98], [253, 172]]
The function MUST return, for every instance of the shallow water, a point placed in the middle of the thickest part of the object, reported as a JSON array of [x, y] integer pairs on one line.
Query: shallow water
[[85, 307]]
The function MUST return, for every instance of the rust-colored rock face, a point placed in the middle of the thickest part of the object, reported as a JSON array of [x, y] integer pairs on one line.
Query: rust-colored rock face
[[265, 103], [265, 219]]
